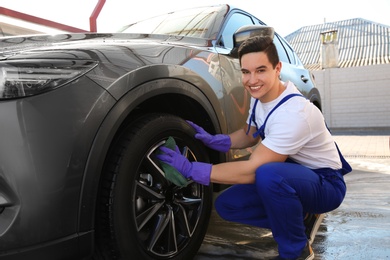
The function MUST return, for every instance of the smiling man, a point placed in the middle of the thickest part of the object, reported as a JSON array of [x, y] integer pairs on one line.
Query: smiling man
[[294, 174]]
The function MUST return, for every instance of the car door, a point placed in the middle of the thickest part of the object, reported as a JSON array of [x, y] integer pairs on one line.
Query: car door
[[236, 99]]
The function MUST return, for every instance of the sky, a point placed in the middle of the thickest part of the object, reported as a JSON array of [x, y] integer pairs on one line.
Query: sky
[[286, 16]]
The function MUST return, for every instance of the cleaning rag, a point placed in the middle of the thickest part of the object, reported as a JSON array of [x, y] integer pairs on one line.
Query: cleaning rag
[[171, 174]]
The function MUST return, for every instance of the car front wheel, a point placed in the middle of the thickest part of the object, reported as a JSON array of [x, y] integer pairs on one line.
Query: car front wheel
[[140, 214]]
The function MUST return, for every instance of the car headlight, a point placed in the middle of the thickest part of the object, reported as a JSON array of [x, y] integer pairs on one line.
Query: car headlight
[[22, 78]]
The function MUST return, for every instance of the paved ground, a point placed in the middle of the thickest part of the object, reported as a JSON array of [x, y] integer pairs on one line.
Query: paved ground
[[358, 229], [364, 146]]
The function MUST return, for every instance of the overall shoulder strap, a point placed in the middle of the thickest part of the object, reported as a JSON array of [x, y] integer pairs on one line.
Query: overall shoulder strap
[[260, 131], [345, 166], [253, 118]]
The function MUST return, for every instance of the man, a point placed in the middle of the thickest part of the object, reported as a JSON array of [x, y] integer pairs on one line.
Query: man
[[294, 173]]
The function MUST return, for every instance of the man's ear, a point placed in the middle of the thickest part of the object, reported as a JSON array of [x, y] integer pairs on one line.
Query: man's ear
[[278, 67]]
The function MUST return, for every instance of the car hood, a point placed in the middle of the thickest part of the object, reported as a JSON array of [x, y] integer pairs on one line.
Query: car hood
[[38, 44], [116, 54]]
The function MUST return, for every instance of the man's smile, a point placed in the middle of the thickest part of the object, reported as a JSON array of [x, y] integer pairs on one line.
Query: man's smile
[[255, 87]]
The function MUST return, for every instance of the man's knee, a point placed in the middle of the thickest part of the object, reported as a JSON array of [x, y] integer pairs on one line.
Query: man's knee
[[266, 175]]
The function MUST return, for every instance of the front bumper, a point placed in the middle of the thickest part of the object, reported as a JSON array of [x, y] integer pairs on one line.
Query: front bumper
[[45, 141]]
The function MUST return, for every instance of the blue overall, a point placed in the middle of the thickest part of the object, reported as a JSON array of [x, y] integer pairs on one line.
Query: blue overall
[[282, 194]]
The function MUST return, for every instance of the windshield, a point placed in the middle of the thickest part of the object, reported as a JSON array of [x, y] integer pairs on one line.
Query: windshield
[[197, 22]]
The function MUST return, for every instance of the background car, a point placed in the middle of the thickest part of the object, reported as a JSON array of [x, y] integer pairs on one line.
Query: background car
[[82, 116]]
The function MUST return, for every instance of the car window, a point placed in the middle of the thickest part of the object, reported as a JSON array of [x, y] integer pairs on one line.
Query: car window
[[235, 21], [281, 50], [257, 21], [291, 53], [285, 51], [193, 22]]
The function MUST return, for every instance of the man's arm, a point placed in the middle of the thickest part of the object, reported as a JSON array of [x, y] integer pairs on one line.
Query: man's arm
[[242, 140], [239, 172], [243, 172]]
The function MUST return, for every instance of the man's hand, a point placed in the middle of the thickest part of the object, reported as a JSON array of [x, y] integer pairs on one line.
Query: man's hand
[[197, 171], [219, 142]]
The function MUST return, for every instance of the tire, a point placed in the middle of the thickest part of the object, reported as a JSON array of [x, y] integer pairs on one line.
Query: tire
[[140, 214]]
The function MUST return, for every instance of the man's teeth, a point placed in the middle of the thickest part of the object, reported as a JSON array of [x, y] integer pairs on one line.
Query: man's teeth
[[255, 88]]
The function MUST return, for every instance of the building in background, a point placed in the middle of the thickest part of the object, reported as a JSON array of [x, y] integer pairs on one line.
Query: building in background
[[350, 61]]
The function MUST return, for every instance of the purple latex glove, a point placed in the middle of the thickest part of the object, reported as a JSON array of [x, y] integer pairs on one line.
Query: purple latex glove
[[197, 171], [218, 142]]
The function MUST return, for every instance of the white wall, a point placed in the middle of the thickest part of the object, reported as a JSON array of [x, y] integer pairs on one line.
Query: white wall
[[356, 97]]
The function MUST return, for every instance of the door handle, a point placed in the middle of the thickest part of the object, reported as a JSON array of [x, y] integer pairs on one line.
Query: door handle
[[304, 79]]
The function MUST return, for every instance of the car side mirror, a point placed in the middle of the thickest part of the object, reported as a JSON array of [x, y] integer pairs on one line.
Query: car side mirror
[[248, 31]]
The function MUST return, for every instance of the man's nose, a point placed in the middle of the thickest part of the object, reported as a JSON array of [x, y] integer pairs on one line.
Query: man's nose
[[252, 78]]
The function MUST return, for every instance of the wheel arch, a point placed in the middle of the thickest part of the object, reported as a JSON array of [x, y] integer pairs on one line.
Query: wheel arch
[[315, 98], [172, 96]]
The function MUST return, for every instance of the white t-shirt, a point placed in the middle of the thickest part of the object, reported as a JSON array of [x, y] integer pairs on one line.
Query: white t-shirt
[[297, 129]]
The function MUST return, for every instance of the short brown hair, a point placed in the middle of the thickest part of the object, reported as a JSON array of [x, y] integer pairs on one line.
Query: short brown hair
[[259, 44]]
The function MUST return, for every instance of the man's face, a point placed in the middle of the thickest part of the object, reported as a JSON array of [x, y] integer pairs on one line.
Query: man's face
[[259, 77]]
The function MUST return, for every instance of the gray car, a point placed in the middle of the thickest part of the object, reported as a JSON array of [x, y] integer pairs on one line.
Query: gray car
[[83, 114]]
